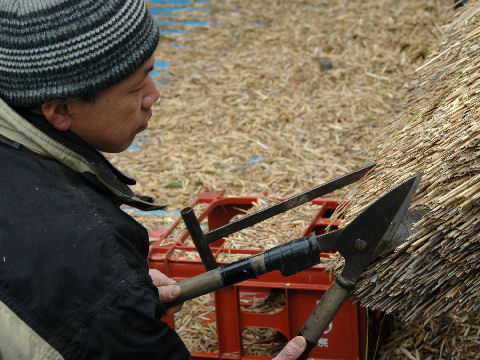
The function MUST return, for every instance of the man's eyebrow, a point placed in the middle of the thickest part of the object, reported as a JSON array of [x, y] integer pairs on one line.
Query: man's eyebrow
[[149, 70]]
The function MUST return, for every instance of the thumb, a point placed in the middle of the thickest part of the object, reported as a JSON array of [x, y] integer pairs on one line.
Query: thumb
[[169, 293], [293, 349]]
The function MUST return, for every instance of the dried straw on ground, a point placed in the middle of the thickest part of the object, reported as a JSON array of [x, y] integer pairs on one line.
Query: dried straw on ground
[[196, 326], [438, 133], [246, 107]]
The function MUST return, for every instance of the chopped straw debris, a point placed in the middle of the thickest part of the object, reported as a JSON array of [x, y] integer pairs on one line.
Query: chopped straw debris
[[196, 326]]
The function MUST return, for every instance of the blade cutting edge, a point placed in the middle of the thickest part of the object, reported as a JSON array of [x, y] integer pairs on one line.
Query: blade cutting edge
[[393, 237], [358, 241]]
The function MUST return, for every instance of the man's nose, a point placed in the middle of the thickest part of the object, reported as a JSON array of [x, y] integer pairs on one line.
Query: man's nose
[[151, 95]]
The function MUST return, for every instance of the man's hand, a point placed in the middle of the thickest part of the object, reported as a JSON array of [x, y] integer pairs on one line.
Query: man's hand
[[293, 349], [167, 290]]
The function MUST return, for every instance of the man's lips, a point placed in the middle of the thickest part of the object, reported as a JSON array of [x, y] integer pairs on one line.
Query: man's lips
[[145, 126]]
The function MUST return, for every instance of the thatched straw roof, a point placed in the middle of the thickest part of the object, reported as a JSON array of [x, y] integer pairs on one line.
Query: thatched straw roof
[[437, 133]]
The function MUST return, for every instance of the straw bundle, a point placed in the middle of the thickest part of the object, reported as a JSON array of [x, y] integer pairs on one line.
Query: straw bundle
[[438, 133], [450, 337]]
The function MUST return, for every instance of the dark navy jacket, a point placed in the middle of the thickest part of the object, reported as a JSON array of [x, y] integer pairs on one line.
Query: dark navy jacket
[[74, 280]]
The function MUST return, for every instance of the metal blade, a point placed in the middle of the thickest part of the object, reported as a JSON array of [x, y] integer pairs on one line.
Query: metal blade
[[403, 232], [328, 241], [377, 224], [290, 203]]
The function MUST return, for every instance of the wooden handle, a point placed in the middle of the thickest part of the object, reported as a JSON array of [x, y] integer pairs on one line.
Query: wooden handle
[[197, 286], [322, 315], [289, 258]]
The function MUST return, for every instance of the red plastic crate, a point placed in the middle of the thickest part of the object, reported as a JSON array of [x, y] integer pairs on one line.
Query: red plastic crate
[[345, 338]]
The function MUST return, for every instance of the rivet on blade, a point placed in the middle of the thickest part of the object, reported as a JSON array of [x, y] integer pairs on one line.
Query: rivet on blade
[[360, 245]]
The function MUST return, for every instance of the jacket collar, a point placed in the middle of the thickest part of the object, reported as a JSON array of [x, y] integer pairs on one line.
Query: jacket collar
[[36, 134]]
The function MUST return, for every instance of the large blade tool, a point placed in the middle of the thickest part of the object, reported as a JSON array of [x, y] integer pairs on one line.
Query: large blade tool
[[202, 240], [290, 258], [357, 243]]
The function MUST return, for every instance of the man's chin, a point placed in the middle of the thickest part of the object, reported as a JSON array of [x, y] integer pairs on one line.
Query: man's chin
[[142, 128], [116, 148]]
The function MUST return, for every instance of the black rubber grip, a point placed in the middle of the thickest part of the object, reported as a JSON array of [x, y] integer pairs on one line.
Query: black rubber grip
[[237, 272], [294, 256]]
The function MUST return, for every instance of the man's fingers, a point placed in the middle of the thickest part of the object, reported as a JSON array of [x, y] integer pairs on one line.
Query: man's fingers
[[167, 290], [293, 349], [159, 278], [168, 293]]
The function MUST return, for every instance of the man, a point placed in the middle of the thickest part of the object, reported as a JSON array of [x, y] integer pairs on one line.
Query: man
[[74, 283]]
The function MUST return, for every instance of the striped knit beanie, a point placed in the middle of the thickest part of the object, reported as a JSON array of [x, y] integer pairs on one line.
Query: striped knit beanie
[[58, 49]]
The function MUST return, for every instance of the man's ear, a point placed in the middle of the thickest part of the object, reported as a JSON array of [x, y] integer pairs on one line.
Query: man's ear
[[58, 114]]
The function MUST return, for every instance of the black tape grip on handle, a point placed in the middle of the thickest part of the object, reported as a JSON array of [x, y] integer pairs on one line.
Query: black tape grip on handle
[[237, 271], [294, 256], [308, 350]]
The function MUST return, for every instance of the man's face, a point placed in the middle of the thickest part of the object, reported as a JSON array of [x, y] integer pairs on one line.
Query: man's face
[[118, 114]]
